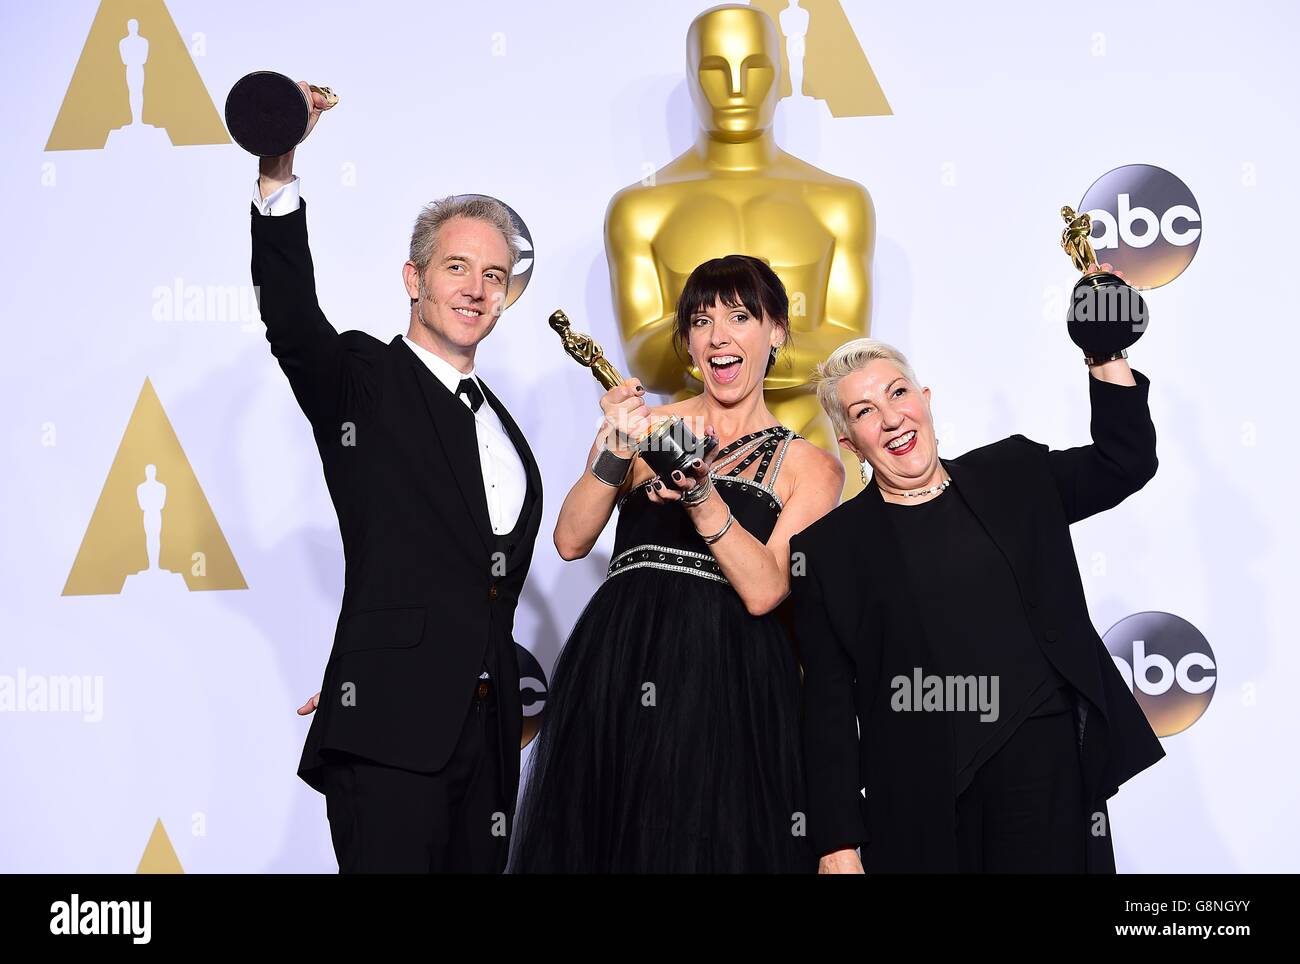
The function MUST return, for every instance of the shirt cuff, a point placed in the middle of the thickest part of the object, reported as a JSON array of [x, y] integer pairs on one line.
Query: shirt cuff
[[278, 202]]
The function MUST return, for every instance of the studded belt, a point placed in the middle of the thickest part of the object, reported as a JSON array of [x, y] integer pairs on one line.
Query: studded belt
[[666, 557]]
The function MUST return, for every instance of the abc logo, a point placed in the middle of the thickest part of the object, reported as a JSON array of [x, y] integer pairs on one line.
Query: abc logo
[[1145, 222], [1168, 665], [523, 271], [532, 693]]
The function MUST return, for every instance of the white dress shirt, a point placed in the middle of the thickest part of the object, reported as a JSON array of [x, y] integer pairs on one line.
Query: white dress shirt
[[504, 479]]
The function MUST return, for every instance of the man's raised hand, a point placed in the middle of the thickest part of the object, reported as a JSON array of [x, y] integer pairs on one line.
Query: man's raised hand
[[275, 172]]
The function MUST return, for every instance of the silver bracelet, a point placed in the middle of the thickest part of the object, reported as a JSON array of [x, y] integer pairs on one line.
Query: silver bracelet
[[702, 492], [710, 540], [610, 468]]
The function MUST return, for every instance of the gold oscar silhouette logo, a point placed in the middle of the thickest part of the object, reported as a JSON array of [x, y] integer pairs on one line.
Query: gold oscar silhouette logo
[[135, 82], [159, 855], [152, 528], [823, 59]]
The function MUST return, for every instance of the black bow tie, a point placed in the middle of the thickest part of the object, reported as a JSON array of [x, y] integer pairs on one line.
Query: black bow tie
[[469, 388]]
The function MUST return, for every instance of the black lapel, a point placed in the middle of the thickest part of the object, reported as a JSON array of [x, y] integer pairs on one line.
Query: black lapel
[[880, 543], [889, 590], [998, 514], [453, 423], [531, 472], [528, 523]]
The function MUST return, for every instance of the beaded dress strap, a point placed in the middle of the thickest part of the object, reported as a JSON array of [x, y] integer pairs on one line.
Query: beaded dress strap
[[770, 484], [770, 449], [743, 451], [726, 449]]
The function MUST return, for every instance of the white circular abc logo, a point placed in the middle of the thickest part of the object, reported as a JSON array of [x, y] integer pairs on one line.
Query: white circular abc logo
[[523, 270], [532, 693], [1145, 222], [1168, 665]]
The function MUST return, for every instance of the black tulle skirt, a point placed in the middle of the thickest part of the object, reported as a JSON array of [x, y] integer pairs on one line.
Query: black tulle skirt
[[670, 740]]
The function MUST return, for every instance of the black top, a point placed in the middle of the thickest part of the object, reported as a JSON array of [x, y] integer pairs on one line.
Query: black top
[[660, 535], [707, 780], [972, 609], [859, 626]]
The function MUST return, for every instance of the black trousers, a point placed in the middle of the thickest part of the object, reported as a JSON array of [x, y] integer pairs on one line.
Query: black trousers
[[1024, 810], [388, 820]]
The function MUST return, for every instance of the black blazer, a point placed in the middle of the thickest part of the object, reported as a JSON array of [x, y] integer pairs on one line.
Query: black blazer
[[425, 604], [858, 628]]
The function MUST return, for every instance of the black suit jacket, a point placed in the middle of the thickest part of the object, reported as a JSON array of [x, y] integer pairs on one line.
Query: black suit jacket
[[425, 602], [858, 627]]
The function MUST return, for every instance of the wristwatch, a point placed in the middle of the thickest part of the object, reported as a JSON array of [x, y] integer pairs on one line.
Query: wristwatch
[[1091, 360]]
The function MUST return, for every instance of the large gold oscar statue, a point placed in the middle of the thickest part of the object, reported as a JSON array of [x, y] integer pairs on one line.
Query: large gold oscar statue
[[735, 191]]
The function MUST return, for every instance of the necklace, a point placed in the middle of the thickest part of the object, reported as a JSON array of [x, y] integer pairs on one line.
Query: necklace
[[932, 490]]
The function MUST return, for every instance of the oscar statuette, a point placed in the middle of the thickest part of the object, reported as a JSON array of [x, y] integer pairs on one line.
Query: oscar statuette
[[669, 445], [1107, 314], [267, 113]]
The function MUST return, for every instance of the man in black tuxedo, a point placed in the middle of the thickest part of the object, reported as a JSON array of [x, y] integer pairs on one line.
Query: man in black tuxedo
[[415, 741]]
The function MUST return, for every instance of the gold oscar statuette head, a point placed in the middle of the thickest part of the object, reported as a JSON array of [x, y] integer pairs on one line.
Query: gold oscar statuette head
[[1075, 239], [668, 444], [1106, 314], [331, 98], [733, 64], [584, 350]]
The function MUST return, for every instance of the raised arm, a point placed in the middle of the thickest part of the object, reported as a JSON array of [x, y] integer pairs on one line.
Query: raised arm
[[1122, 456], [302, 339], [591, 502], [760, 571]]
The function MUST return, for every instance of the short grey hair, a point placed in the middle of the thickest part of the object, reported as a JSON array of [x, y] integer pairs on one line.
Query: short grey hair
[[847, 359], [424, 237]]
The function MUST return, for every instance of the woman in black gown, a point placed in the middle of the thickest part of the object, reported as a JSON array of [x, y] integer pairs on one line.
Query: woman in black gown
[[670, 741]]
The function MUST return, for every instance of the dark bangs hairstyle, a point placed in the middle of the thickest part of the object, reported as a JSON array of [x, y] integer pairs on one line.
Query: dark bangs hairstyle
[[737, 279]]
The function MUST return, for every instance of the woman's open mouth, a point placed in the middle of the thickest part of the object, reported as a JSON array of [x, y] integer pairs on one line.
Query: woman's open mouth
[[726, 368], [902, 444]]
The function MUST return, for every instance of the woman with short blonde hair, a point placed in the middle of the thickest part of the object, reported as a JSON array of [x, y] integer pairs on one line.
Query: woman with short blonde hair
[[950, 666]]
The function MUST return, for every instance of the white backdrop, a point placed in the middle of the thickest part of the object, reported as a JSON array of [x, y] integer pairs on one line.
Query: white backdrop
[[1001, 115]]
